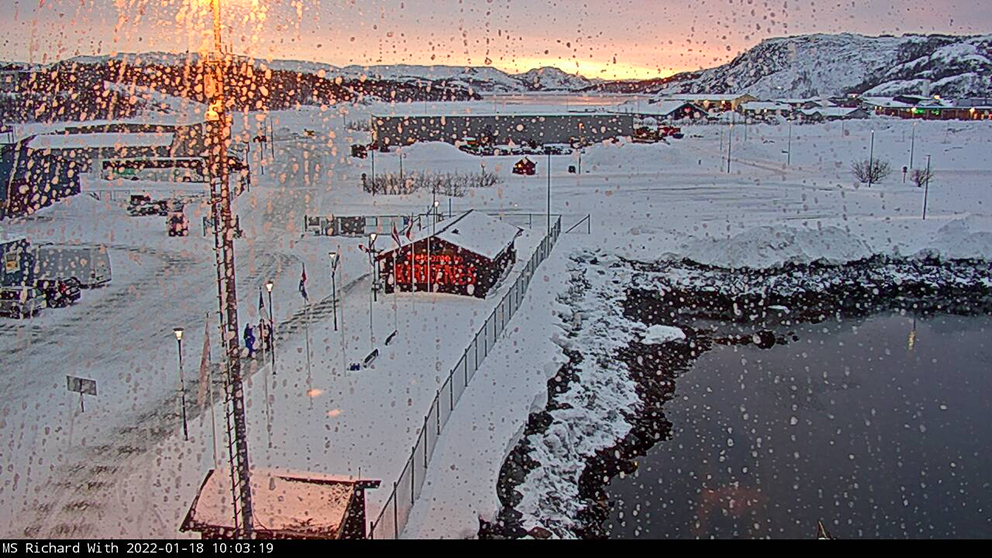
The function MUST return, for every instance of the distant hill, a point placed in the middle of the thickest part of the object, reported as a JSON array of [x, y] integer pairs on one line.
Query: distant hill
[[824, 65]]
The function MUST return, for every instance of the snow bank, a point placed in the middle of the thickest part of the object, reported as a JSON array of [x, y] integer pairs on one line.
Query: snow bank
[[957, 240], [772, 246], [658, 334], [767, 246]]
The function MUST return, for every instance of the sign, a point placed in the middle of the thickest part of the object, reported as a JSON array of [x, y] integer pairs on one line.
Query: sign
[[11, 262], [447, 269], [81, 385]]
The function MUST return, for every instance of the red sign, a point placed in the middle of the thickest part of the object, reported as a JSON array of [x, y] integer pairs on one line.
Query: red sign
[[446, 269]]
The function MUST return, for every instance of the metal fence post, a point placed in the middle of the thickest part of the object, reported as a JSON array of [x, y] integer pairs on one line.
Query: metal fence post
[[424, 433], [413, 475], [437, 403], [396, 516]]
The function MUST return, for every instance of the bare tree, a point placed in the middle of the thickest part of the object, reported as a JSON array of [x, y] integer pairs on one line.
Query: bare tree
[[446, 184], [921, 177], [871, 171]]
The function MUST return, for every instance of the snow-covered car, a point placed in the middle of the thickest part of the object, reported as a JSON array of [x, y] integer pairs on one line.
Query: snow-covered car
[[21, 302], [59, 293]]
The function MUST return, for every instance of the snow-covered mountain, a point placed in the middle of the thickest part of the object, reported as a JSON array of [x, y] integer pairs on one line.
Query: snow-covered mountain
[[480, 78], [799, 66], [820, 65]]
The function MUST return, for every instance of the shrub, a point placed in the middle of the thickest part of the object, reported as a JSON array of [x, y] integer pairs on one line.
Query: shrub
[[871, 171]]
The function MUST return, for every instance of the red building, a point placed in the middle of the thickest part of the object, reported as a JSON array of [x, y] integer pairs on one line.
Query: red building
[[525, 167], [467, 255]]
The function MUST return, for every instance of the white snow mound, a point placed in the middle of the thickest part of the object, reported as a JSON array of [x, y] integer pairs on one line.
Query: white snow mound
[[658, 334], [764, 247], [956, 240]]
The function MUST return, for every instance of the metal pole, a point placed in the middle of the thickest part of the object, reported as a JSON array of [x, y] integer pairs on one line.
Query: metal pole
[[182, 390], [549, 192], [334, 296], [219, 129], [789, 158], [272, 335], [730, 142], [871, 157], [912, 146], [373, 172], [926, 189]]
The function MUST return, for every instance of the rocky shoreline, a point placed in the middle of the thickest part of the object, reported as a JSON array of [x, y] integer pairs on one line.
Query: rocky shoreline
[[711, 306]]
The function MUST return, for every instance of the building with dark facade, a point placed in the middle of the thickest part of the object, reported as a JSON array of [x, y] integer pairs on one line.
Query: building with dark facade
[[503, 129]]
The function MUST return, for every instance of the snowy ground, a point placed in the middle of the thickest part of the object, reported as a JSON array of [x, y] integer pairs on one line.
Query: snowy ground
[[122, 468]]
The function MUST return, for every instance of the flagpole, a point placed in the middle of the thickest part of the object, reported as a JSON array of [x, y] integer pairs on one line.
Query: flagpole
[[210, 392], [309, 377]]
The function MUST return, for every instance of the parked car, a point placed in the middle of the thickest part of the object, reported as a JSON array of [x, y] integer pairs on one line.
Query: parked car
[[88, 264], [21, 302], [59, 293], [178, 224]]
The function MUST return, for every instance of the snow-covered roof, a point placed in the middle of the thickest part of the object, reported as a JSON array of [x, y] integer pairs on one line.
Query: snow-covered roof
[[713, 97], [829, 112], [885, 102], [667, 107], [293, 504], [476, 232], [100, 141], [765, 105]]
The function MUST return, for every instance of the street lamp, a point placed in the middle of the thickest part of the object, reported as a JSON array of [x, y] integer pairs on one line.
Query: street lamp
[[182, 383], [272, 326], [372, 292], [334, 288]]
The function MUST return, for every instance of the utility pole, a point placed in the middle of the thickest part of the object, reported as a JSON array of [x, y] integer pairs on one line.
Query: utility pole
[[788, 160], [912, 147], [871, 157], [549, 192], [218, 137], [730, 142]]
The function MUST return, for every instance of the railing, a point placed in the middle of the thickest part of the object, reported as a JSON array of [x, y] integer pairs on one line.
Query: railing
[[363, 225], [396, 511]]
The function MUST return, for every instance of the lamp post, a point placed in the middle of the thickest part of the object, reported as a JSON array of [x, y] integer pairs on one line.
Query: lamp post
[[871, 157], [372, 291], [272, 326], [182, 383], [549, 192], [334, 288]]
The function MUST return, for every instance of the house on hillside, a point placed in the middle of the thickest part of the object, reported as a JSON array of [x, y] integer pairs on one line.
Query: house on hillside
[[765, 109], [829, 114], [715, 102], [671, 110], [467, 256]]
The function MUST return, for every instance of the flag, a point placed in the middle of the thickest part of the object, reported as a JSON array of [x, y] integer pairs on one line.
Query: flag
[[396, 237], [409, 230], [204, 385], [303, 284], [261, 304]]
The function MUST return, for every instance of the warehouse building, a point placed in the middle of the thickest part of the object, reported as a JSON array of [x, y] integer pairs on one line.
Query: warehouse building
[[503, 129]]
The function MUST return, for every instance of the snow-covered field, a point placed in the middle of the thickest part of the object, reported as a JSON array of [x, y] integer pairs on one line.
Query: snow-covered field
[[122, 468]]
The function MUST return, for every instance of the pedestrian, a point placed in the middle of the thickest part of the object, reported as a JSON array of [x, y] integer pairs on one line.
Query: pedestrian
[[249, 336], [266, 334]]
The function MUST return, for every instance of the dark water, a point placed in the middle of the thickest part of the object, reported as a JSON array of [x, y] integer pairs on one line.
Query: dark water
[[879, 428]]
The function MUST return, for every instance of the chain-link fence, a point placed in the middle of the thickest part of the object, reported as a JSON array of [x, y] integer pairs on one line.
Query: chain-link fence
[[396, 512]]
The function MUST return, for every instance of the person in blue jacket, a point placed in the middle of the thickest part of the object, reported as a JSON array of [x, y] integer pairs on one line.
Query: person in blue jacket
[[249, 336]]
